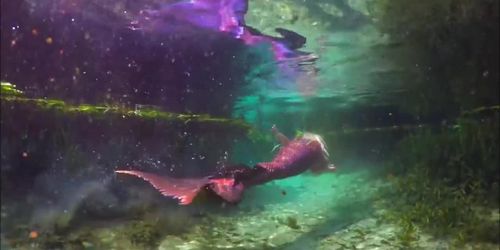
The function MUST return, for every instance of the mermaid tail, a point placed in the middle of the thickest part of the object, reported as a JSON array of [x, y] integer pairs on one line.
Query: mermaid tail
[[185, 190]]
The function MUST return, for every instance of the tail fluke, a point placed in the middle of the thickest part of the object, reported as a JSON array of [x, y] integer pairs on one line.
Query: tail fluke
[[185, 190]]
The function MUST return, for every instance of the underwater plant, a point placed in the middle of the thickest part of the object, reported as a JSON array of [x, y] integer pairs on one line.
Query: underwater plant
[[445, 182], [452, 54], [466, 151], [8, 89], [407, 236], [12, 97], [145, 234]]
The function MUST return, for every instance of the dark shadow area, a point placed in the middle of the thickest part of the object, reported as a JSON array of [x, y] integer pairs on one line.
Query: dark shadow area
[[87, 54]]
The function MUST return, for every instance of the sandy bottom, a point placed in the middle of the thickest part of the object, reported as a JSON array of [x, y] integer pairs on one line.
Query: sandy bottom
[[334, 211]]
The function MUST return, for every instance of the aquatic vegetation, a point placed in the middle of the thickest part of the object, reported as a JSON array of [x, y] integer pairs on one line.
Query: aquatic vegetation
[[442, 181], [143, 233], [451, 48], [468, 151], [445, 181], [112, 111], [408, 234], [436, 208], [292, 222], [8, 89]]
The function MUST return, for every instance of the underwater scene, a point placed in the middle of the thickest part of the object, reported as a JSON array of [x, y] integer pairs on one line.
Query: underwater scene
[[250, 124]]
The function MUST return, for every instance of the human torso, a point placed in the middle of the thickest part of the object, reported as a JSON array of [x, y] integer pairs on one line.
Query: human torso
[[293, 159]]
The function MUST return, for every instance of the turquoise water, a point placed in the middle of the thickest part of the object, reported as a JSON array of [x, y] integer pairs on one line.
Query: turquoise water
[[404, 94]]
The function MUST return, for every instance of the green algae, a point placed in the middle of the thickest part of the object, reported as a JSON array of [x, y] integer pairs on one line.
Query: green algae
[[106, 111], [8, 89], [11, 95]]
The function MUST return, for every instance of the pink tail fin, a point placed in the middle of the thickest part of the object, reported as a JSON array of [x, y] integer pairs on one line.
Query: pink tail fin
[[182, 189]]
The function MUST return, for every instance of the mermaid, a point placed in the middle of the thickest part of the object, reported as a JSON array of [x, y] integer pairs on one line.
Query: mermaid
[[305, 152]]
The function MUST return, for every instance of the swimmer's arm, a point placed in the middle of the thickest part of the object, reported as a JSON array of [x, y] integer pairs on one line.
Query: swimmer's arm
[[281, 138]]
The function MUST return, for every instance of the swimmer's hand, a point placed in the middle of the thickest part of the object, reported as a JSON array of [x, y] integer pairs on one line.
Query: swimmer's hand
[[281, 138]]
